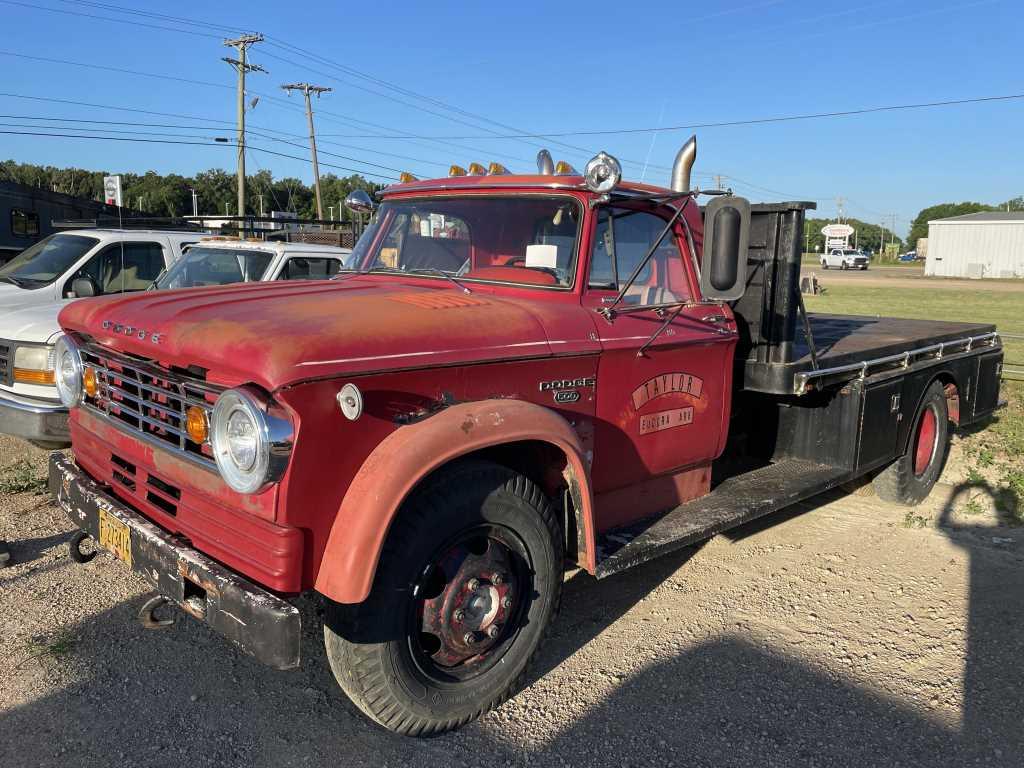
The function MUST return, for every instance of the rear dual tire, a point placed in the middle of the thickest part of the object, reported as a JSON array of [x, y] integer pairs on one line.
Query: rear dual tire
[[467, 584], [910, 478]]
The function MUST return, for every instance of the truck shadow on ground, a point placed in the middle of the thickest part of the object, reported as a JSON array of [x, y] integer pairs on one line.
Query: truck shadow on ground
[[182, 697]]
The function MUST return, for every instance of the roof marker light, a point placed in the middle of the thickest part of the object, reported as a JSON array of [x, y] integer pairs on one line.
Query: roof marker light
[[475, 169], [456, 170], [405, 177], [497, 169], [565, 169]]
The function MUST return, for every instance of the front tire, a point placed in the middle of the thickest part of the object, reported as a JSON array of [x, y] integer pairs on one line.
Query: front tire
[[910, 478], [824, 265], [467, 584]]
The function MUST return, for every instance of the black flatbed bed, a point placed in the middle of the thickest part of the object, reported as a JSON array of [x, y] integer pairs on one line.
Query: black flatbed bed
[[842, 340]]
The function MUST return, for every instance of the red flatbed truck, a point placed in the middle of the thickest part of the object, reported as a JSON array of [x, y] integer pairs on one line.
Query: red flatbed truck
[[521, 372]]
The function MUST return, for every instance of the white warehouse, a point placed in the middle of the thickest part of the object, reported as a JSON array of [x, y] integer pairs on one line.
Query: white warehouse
[[988, 244]]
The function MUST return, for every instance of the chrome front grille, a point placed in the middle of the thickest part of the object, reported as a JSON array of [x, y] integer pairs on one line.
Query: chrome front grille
[[148, 399]]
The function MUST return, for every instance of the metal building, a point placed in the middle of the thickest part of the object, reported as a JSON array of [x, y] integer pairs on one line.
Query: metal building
[[988, 244]]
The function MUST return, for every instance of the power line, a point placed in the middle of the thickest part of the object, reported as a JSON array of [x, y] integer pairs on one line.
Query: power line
[[255, 130], [349, 70], [189, 144], [751, 121]]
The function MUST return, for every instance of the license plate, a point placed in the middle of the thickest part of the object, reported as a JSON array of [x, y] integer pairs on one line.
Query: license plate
[[116, 537]]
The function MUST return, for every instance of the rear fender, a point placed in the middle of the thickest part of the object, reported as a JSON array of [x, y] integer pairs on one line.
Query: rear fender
[[411, 453]]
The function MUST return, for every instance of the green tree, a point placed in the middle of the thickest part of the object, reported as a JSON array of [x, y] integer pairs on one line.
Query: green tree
[[919, 227]]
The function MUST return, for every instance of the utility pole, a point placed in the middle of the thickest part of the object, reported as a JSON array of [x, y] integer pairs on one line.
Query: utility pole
[[839, 209], [718, 181], [195, 203], [307, 89], [261, 205], [241, 44]]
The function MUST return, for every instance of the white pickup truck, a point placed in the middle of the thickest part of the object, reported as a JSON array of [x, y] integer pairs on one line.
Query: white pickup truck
[[844, 258], [36, 285]]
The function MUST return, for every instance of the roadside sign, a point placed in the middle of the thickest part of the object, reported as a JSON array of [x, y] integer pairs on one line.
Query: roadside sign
[[112, 190], [839, 231]]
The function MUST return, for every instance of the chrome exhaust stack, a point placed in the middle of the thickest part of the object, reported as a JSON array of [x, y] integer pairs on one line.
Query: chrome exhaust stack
[[545, 165], [683, 165]]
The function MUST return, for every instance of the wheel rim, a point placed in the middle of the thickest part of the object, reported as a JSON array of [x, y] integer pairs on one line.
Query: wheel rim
[[468, 604], [926, 441]]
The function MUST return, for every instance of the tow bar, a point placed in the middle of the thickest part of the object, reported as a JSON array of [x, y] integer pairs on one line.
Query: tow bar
[[147, 613], [74, 548]]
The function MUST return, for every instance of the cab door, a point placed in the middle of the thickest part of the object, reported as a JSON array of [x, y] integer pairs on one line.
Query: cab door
[[664, 377]]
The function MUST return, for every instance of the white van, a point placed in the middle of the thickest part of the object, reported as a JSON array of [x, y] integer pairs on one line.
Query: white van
[[36, 284], [844, 258], [29, 405]]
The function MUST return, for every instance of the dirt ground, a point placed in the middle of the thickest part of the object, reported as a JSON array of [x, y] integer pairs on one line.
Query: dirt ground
[[844, 632]]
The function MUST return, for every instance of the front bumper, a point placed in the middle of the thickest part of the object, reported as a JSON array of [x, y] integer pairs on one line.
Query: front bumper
[[34, 419], [258, 621]]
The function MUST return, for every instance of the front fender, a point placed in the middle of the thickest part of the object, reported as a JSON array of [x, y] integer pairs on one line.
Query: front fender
[[411, 453]]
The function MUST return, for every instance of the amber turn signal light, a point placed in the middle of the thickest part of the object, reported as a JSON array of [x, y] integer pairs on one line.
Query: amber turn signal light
[[89, 382], [197, 425], [29, 376]]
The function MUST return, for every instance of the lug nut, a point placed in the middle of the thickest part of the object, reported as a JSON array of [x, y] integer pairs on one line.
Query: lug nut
[[493, 630], [506, 602], [459, 615], [469, 638], [473, 585], [497, 579]]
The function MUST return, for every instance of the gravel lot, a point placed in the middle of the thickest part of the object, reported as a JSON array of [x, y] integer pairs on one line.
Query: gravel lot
[[841, 633]]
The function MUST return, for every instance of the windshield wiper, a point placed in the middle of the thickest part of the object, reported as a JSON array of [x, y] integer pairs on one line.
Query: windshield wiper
[[442, 273], [21, 282]]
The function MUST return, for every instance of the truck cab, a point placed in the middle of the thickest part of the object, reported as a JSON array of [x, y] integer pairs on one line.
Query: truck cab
[[515, 373], [36, 284]]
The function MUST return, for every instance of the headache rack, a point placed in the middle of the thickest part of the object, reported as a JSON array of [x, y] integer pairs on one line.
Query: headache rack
[[150, 401]]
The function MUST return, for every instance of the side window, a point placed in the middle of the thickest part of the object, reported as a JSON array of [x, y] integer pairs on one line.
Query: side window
[[24, 223], [124, 267], [306, 268], [621, 241]]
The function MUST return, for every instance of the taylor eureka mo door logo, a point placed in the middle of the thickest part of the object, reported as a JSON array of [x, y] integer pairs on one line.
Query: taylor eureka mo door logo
[[666, 384]]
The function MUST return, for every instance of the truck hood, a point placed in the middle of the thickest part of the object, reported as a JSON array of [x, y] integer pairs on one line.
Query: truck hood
[[279, 333], [12, 298], [35, 323]]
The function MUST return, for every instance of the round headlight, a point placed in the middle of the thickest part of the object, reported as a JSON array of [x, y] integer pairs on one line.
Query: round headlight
[[603, 173], [68, 371], [240, 439]]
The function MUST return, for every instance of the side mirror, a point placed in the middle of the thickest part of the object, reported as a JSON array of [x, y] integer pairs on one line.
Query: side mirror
[[84, 287], [723, 270], [359, 202]]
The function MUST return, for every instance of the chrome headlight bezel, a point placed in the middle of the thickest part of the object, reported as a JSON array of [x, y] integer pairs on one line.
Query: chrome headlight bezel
[[273, 440], [66, 350]]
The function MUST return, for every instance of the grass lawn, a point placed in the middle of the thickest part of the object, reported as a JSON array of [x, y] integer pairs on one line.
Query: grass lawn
[[997, 451]]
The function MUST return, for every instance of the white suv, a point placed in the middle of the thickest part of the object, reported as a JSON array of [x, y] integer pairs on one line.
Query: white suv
[[36, 284], [844, 258], [220, 261]]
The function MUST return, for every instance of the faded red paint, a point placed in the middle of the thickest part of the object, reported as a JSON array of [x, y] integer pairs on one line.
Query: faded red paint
[[442, 373], [402, 459]]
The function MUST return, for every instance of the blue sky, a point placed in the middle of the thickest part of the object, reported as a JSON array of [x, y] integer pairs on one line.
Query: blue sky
[[553, 67]]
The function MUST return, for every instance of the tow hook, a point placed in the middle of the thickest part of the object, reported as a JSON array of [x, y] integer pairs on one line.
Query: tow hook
[[75, 550], [147, 613]]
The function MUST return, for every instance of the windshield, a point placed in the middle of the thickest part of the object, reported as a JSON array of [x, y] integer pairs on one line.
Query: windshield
[[529, 240], [202, 265], [44, 262]]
